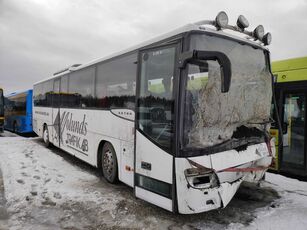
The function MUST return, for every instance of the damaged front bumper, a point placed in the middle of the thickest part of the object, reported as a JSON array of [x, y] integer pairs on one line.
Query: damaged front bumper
[[210, 182]]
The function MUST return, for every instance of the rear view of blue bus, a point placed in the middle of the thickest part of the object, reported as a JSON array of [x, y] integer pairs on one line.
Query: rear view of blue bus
[[18, 112]]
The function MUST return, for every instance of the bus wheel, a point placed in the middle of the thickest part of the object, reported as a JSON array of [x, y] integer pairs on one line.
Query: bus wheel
[[14, 127], [109, 163], [46, 136]]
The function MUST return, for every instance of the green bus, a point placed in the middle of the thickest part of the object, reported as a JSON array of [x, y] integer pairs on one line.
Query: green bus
[[290, 78]]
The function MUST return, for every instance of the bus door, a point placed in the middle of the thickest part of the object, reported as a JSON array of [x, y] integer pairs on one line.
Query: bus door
[[56, 113], [293, 157], [154, 127]]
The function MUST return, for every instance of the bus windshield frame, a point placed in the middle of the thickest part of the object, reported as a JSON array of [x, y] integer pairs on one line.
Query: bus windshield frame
[[262, 129]]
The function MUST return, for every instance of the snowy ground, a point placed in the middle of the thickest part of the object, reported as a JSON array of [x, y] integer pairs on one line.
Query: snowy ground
[[48, 189]]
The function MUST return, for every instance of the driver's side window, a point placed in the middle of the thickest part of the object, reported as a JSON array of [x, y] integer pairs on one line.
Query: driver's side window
[[156, 100]]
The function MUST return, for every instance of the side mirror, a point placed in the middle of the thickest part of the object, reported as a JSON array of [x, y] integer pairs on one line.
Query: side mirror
[[199, 55]]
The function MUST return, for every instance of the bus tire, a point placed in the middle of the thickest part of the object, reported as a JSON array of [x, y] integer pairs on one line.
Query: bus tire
[[46, 136], [14, 126], [109, 163]]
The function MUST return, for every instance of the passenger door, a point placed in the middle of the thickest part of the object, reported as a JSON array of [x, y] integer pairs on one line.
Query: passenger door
[[56, 113], [155, 126], [294, 130]]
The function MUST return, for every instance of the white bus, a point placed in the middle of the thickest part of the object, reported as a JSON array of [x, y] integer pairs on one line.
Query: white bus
[[183, 118]]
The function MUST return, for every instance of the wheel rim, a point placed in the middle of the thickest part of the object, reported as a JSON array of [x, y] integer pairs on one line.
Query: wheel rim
[[46, 136], [108, 163]]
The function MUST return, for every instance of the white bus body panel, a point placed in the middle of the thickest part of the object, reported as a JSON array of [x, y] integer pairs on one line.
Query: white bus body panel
[[155, 199], [196, 200], [161, 162], [41, 116], [82, 131], [161, 169]]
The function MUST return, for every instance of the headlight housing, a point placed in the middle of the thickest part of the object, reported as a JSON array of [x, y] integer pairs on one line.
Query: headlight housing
[[221, 20], [201, 178], [259, 32]]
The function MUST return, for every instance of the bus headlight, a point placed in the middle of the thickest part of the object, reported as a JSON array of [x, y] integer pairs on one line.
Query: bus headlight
[[201, 178], [258, 32], [221, 20]]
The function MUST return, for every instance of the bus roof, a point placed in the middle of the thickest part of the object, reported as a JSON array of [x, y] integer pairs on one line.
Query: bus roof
[[289, 64], [187, 28], [18, 92], [290, 70]]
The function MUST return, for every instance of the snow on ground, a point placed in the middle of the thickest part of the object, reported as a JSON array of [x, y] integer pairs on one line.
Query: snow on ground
[[49, 189]]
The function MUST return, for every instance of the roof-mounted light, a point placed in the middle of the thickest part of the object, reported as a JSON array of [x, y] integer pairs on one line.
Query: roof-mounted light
[[221, 20], [267, 39], [242, 22], [258, 32]]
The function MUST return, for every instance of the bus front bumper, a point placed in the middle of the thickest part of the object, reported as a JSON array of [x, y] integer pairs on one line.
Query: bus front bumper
[[218, 177]]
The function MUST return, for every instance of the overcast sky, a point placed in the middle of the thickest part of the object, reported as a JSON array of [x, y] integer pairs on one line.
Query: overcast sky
[[40, 37]]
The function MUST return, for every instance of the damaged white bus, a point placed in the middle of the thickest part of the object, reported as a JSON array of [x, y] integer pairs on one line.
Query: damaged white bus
[[183, 118]]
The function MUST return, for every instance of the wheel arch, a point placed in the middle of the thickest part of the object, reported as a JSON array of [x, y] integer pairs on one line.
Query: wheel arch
[[116, 147], [99, 155]]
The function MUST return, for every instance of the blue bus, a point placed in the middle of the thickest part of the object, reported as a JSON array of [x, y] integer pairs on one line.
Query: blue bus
[[18, 112]]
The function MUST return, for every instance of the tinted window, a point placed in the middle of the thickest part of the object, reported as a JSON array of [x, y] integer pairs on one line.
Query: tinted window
[[56, 97], [155, 103], [16, 105], [43, 93], [66, 98], [115, 87], [81, 88], [37, 94], [64, 84]]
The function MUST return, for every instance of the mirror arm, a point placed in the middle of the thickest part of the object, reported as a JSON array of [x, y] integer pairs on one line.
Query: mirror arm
[[220, 57]]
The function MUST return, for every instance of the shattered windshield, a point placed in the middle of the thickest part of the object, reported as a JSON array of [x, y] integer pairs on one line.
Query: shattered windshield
[[212, 117]]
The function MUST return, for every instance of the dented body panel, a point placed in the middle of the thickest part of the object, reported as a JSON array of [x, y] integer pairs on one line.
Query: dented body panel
[[201, 197]]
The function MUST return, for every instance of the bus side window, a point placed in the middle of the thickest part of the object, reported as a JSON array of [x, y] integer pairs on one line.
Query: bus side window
[[115, 86], [81, 87]]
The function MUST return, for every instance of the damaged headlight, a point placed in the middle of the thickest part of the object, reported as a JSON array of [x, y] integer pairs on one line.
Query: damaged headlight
[[201, 178]]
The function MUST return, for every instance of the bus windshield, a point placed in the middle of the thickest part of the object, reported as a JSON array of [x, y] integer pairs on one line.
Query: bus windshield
[[213, 118], [1, 103]]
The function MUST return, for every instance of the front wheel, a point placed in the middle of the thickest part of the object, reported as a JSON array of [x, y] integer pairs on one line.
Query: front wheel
[[46, 136], [109, 163]]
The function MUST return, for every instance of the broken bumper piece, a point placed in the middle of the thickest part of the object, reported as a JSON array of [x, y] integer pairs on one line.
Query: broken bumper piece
[[210, 182]]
